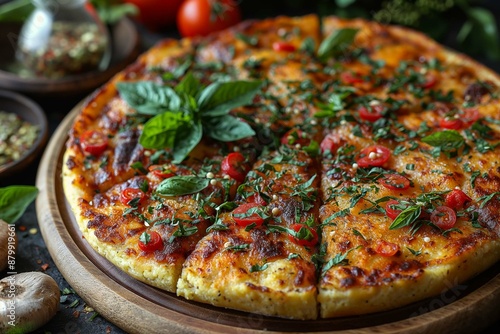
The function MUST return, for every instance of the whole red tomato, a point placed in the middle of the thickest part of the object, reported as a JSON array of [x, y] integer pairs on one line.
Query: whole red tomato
[[201, 17], [156, 14]]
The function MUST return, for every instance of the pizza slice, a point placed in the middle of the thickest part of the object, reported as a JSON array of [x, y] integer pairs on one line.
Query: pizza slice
[[149, 224], [258, 257], [405, 217]]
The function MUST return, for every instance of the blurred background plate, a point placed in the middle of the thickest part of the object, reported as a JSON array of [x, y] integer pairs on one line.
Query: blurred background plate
[[125, 49], [30, 112]]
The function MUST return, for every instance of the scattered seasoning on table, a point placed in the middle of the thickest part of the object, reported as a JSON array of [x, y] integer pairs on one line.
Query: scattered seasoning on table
[[72, 48], [16, 137]]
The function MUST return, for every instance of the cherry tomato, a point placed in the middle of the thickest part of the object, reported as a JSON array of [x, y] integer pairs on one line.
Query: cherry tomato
[[161, 171], [202, 17], [129, 194], [330, 143], [456, 199], [390, 209], [351, 78], [394, 182], [234, 166], [386, 248], [371, 115], [256, 198], [430, 81], [154, 243], [470, 116], [451, 123], [243, 217], [156, 14], [295, 136], [373, 156], [94, 142], [310, 236], [283, 47], [444, 217]]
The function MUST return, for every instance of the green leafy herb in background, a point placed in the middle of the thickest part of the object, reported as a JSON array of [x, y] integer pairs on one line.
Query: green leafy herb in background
[[14, 200], [476, 24]]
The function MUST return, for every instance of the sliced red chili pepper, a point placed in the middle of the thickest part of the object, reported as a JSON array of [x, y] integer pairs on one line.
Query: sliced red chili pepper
[[161, 171], [390, 209], [283, 47], [132, 196], [371, 114], [150, 242], [247, 214], [234, 165], [94, 142], [351, 78], [456, 199], [444, 217], [394, 182], [451, 123], [373, 156], [330, 143], [386, 248], [305, 235], [295, 136]]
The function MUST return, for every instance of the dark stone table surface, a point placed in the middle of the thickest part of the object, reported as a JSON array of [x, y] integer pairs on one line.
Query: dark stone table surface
[[74, 315]]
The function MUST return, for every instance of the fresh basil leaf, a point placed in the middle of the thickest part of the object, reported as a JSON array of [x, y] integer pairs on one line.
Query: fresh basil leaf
[[336, 42], [221, 97], [149, 98], [160, 131], [485, 31], [312, 149], [227, 128], [16, 11], [182, 185], [189, 85], [445, 140], [187, 137], [14, 200], [406, 217]]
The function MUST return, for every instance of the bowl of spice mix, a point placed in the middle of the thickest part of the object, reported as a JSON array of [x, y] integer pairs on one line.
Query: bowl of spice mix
[[23, 132]]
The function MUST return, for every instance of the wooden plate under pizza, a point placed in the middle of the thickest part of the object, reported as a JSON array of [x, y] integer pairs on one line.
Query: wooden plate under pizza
[[137, 307]]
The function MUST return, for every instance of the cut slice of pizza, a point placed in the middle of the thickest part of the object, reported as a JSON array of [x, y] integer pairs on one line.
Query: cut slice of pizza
[[393, 236], [406, 215], [258, 258], [149, 224]]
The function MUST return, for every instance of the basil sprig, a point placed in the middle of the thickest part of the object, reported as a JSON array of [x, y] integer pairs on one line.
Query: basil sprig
[[14, 200], [182, 185], [337, 42], [182, 115]]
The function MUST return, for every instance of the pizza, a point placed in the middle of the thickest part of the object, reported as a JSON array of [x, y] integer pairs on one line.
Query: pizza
[[293, 169]]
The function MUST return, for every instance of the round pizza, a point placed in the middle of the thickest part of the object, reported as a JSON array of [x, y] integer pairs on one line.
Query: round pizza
[[293, 169]]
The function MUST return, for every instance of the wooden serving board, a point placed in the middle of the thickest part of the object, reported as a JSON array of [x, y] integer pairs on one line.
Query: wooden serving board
[[139, 308]]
